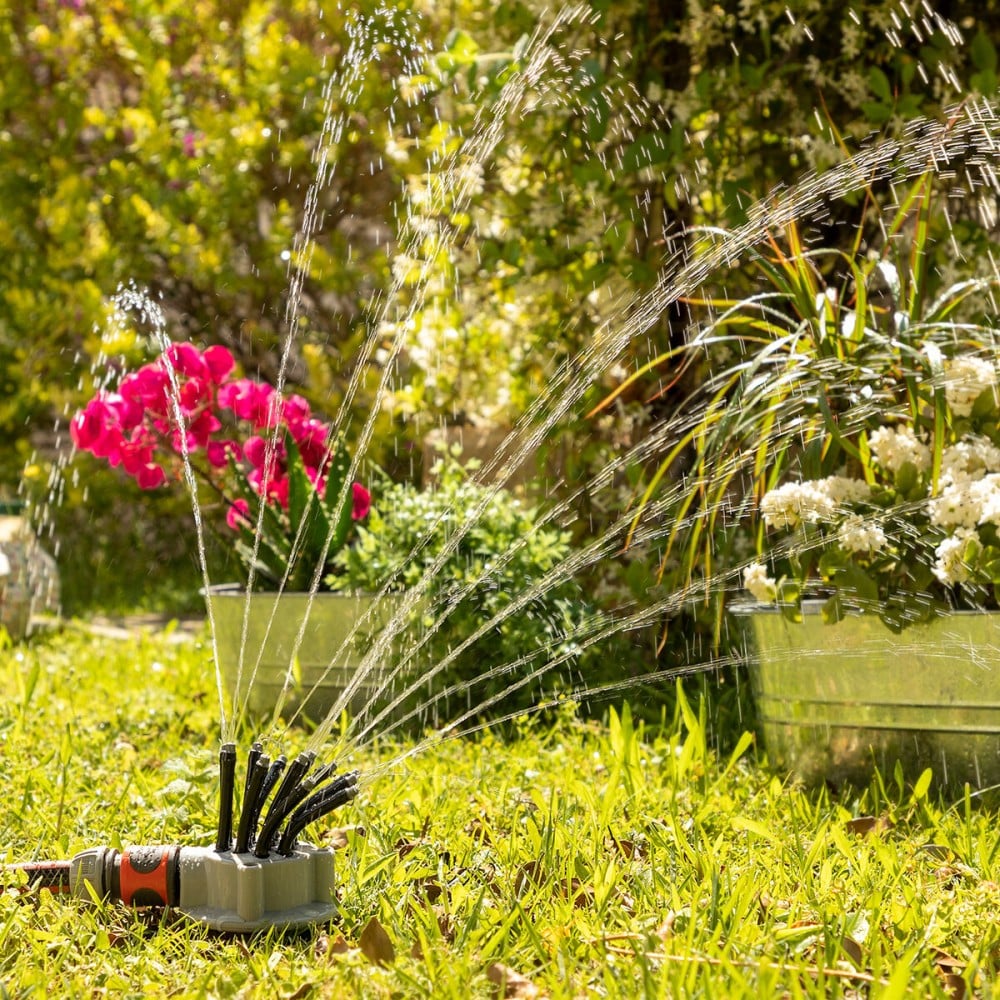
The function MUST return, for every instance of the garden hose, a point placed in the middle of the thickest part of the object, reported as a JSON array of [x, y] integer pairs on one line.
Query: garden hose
[[262, 879]]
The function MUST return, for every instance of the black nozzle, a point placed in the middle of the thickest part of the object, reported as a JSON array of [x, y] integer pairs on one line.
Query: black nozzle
[[256, 806], [249, 813], [256, 749], [227, 777], [321, 803], [274, 772], [285, 799], [296, 794]]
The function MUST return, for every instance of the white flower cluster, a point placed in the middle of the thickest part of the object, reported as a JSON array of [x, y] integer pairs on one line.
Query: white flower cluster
[[814, 502], [856, 534], [969, 456], [969, 486], [761, 586], [892, 447], [959, 501], [965, 379], [951, 566]]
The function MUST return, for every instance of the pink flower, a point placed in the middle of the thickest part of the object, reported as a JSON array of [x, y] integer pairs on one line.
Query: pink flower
[[255, 451], [236, 516], [201, 429], [361, 502], [97, 429], [135, 455], [295, 411], [249, 400], [150, 476], [148, 388], [194, 394], [311, 436], [272, 487], [186, 359], [218, 452], [188, 144], [179, 405], [220, 363]]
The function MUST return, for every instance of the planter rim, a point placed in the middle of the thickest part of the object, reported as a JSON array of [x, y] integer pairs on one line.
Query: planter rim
[[240, 590], [748, 606], [814, 605]]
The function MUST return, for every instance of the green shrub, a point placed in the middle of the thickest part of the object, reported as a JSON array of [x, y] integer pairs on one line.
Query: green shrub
[[503, 554]]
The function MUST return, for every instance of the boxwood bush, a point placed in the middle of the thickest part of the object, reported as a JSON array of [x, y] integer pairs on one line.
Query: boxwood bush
[[503, 554]]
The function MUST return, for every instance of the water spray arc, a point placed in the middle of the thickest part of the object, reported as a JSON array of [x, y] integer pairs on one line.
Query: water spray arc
[[259, 879]]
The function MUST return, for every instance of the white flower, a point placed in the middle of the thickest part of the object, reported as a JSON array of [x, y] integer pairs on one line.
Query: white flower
[[965, 378], [951, 567], [959, 505], [762, 587], [788, 505], [968, 456], [987, 493], [815, 501], [4, 565], [892, 448], [843, 489], [858, 535]]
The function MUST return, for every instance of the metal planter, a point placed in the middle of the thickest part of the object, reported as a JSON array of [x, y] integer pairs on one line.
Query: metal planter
[[834, 700], [29, 584], [325, 663]]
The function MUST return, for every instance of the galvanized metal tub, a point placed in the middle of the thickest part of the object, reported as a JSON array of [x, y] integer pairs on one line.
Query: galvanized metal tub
[[30, 585], [835, 700], [325, 662]]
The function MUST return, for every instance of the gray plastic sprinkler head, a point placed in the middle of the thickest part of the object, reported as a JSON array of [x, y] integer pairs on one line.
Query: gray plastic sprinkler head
[[279, 884]]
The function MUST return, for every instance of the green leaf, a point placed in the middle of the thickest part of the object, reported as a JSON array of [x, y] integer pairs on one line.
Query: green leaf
[[857, 581], [985, 83], [922, 785], [832, 561], [907, 478], [299, 488], [791, 613], [646, 151], [309, 523], [599, 113], [984, 55], [984, 405], [878, 83], [460, 49], [876, 112], [338, 490]]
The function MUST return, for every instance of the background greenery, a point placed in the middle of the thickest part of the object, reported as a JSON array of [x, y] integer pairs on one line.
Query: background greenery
[[173, 146]]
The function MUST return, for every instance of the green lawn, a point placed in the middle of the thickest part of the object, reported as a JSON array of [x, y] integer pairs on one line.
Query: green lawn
[[576, 859]]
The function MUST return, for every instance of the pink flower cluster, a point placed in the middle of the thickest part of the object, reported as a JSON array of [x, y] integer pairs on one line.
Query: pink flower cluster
[[186, 400]]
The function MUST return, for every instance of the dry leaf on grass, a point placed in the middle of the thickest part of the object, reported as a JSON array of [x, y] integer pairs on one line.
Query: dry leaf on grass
[[865, 825], [327, 946], [338, 838], [950, 970], [853, 950], [376, 945], [509, 983]]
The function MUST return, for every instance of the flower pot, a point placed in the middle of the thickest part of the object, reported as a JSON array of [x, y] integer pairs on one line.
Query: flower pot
[[835, 700], [323, 666], [29, 581]]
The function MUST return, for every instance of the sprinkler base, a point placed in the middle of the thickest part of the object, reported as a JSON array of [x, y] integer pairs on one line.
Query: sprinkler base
[[244, 894]]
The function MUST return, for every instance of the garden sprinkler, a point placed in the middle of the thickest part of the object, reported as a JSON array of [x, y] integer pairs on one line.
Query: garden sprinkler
[[261, 879]]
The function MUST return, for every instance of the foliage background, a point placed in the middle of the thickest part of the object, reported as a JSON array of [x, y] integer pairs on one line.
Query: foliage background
[[173, 145]]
